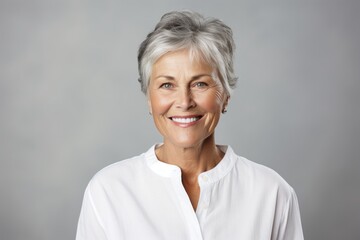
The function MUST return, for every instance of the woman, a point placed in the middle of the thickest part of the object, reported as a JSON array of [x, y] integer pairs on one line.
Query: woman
[[188, 187]]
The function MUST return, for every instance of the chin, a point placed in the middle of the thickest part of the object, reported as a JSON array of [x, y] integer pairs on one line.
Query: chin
[[187, 142]]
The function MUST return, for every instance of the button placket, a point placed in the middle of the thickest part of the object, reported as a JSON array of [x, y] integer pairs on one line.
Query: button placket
[[187, 209], [204, 199]]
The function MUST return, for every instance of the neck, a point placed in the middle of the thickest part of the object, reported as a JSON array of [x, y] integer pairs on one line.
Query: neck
[[191, 160]]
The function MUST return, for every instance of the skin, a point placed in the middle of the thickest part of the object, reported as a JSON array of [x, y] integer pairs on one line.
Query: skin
[[183, 89]]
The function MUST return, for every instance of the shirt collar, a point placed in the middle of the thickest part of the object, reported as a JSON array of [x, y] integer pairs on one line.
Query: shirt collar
[[212, 175], [160, 168]]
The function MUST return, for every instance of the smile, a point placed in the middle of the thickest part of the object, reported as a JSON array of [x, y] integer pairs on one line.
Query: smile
[[185, 119]]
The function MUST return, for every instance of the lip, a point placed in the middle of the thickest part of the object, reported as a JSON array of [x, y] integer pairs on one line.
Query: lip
[[185, 121]]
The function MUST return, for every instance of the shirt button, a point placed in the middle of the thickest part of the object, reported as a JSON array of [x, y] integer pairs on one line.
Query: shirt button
[[205, 178], [205, 206]]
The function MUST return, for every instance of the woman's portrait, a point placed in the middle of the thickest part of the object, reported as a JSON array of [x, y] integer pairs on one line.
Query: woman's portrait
[[188, 187], [183, 120]]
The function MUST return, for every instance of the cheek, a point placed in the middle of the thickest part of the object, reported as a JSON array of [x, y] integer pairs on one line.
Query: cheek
[[212, 101], [220, 98], [159, 104]]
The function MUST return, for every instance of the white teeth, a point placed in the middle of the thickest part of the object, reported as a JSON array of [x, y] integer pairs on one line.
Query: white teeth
[[185, 120]]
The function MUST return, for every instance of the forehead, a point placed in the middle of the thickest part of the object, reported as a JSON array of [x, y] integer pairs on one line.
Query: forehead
[[183, 61]]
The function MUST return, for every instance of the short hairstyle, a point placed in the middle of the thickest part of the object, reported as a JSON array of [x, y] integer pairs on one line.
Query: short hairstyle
[[206, 38]]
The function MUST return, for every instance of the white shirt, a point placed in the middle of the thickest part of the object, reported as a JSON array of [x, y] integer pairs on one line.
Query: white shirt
[[143, 198]]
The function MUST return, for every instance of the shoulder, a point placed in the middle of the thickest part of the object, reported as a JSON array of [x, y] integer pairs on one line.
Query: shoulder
[[125, 166], [262, 178], [119, 173]]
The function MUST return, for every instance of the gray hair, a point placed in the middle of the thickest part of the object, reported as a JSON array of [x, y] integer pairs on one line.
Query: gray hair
[[206, 38]]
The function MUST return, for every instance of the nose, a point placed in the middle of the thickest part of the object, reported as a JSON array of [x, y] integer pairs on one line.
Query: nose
[[185, 99]]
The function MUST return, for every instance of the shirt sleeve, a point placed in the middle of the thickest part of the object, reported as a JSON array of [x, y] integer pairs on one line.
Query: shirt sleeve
[[89, 225], [290, 226]]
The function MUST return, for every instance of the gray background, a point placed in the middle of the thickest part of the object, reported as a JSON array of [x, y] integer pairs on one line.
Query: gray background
[[70, 104]]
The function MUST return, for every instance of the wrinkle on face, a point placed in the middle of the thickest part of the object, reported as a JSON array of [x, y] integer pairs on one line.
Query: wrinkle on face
[[180, 86]]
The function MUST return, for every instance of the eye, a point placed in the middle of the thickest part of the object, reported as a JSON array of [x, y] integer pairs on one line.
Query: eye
[[200, 84], [166, 85]]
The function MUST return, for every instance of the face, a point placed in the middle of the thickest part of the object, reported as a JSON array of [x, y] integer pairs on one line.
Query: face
[[185, 99]]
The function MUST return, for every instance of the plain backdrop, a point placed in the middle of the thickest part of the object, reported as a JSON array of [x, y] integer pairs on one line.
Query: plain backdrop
[[70, 103]]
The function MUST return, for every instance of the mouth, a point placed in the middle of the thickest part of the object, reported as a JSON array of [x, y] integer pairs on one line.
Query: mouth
[[187, 119]]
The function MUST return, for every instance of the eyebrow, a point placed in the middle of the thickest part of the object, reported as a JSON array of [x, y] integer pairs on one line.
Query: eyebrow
[[165, 76], [192, 78]]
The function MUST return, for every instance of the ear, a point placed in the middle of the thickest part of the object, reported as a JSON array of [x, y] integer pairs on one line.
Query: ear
[[149, 104], [226, 102]]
